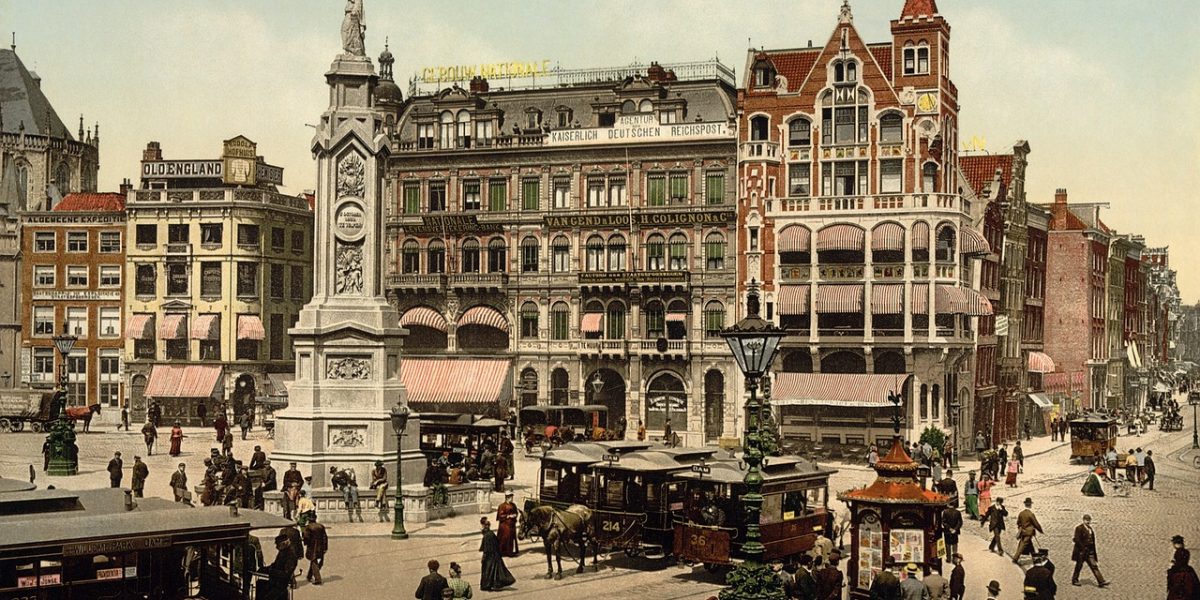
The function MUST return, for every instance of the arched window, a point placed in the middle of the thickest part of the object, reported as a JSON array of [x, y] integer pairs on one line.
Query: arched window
[[945, 244], [644, 106], [529, 387], [677, 319], [62, 178], [843, 362], [799, 133], [798, 361], [714, 251], [923, 403], [851, 71], [470, 257], [615, 321], [594, 254], [560, 382], [655, 319], [560, 321], [435, 257], [891, 128], [890, 363], [410, 257], [464, 129], [656, 252], [529, 321], [678, 253], [628, 107], [714, 319], [616, 252], [497, 256], [666, 399], [529, 254], [839, 72], [560, 252], [446, 131], [929, 178], [935, 402], [759, 128]]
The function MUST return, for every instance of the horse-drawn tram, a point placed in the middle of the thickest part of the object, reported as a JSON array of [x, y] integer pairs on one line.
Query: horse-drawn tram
[[710, 527], [1092, 435], [565, 477]]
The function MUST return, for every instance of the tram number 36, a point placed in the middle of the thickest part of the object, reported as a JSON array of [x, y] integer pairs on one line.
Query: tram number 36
[[610, 526]]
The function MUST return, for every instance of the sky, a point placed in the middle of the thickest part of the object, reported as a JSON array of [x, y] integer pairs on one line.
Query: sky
[[1104, 91]]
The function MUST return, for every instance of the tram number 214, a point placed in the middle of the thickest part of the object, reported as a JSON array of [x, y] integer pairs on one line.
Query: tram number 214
[[610, 526]]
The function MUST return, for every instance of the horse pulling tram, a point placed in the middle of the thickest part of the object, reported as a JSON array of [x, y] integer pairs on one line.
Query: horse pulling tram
[[1092, 436]]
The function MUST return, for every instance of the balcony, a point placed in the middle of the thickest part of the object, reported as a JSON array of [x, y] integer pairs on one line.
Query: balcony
[[883, 203], [603, 348], [759, 151], [483, 282], [675, 349], [182, 248], [417, 283], [149, 198], [946, 271]]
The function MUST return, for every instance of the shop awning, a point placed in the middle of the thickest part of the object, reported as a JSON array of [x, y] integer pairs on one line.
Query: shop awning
[[887, 299], [444, 382], [1040, 362], [794, 238], [835, 389], [207, 327], [977, 305], [140, 327], [888, 236], [920, 235], [250, 327], [949, 300], [1135, 358], [839, 298], [590, 323], [1162, 388], [920, 298], [1041, 400], [973, 242], [793, 300], [840, 237], [182, 381], [173, 327], [279, 382], [676, 317], [483, 315], [423, 316]]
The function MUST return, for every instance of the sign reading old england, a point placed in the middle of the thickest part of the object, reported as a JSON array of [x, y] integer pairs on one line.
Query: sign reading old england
[[638, 129]]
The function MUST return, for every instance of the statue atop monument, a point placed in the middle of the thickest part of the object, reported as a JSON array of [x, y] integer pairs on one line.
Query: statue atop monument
[[354, 29]]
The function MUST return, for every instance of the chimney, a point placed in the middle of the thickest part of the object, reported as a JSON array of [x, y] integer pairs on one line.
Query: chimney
[[126, 186], [478, 85], [1058, 212], [1060, 196], [153, 151], [656, 72]]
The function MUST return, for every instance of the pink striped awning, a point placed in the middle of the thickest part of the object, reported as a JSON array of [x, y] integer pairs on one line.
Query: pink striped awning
[[888, 236], [433, 380], [676, 317], [973, 242], [207, 327], [250, 327], [920, 235], [949, 299], [887, 299], [835, 389], [182, 381], [590, 323], [794, 238], [839, 298], [840, 237], [1040, 362], [173, 327], [920, 298], [140, 327], [977, 304], [483, 315], [793, 300], [423, 316]]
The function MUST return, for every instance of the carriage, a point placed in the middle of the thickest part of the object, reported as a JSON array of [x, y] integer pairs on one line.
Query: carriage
[[565, 477], [1172, 420], [456, 433], [583, 419], [21, 407], [1092, 435]]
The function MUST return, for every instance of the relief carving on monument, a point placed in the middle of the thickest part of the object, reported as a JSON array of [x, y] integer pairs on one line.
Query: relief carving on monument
[[348, 268], [348, 368], [351, 179], [347, 436]]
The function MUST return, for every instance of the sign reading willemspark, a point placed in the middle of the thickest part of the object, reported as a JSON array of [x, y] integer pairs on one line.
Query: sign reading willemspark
[[637, 129], [500, 70], [642, 219], [116, 546]]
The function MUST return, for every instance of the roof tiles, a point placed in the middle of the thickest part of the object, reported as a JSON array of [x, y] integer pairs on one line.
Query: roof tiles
[[980, 169], [91, 202]]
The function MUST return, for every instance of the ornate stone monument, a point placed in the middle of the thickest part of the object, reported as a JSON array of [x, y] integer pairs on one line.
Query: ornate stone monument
[[347, 340]]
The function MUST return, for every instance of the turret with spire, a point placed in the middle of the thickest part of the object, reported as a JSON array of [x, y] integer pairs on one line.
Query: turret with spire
[[388, 96]]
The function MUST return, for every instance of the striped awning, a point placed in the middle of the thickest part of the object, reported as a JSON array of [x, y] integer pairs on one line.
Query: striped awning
[[140, 327], [794, 238], [483, 315], [1041, 400], [793, 300], [250, 327], [839, 298], [445, 381], [207, 327], [920, 235], [887, 299], [173, 327], [949, 300], [590, 322], [423, 316], [920, 299], [835, 389], [840, 237], [887, 236], [977, 304], [676, 317], [973, 242], [182, 381], [1040, 362]]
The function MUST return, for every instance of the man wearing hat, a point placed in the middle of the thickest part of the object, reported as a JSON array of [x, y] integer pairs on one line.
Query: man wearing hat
[[179, 483], [830, 579], [936, 586], [994, 517], [993, 590], [280, 572], [1027, 527], [506, 529], [140, 473], [886, 585], [958, 579], [1084, 551], [806, 586], [1039, 580], [379, 483], [912, 588], [258, 458], [114, 470], [292, 481]]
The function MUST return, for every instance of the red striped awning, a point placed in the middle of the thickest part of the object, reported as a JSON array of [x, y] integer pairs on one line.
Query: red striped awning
[[250, 327], [973, 242], [590, 323], [676, 317], [794, 238], [835, 389], [920, 299], [793, 300], [140, 327], [888, 236], [432, 380], [173, 327], [840, 237], [483, 315], [1040, 362], [839, 298], [423, 316], [950, 299], [887, 299], [977, 304], [182, 381], [207, 327], [920, 235]]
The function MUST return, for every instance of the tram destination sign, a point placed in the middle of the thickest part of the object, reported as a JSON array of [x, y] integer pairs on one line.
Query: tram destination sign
[[642, 219], [116, 546]]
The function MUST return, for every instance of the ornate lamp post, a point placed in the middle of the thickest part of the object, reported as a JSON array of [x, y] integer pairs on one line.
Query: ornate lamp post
[[597, 385], [64, 454], [1195, 402], [754, 343], [400, 414], [955, 416]]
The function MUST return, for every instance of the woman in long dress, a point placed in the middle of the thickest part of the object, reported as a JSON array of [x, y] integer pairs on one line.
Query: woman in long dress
[[176, 439], [985, 493], [458, 585], [493, 575], [1010, 473], [1092, 486]]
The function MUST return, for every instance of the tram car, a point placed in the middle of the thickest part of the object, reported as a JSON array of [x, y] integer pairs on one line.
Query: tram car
[[710, 526], [583, 419], [565, 476], [457, 434], [1092, 435]]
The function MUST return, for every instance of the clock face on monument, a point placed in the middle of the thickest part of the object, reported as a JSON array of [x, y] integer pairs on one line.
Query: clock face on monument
[[927, 102]]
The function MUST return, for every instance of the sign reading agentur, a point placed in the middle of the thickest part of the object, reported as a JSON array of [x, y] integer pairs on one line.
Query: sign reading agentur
[[639, 129]]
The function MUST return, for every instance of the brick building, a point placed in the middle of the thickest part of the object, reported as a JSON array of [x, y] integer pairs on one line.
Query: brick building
[[852, 215], [1040, 364], [74, 256]]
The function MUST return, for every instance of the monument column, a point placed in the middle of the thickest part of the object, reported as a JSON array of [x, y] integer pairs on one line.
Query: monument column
[[347, 340]]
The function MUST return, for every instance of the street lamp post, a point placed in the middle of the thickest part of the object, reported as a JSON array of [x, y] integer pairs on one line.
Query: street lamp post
[[754, 343], [1195, 402], [597, 385], [64, 454], [955, 416], [400, 414]]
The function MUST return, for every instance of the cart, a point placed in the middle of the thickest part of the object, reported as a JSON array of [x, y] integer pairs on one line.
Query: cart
[[21, 407]]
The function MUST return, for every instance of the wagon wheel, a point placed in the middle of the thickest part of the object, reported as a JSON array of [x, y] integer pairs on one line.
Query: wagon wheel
[[37, 427], [18, 425], [632, 552], [5, 425]]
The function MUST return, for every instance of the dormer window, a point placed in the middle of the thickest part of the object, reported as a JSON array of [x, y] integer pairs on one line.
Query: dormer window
[[916, 60], [564, 118], [483, 133], [533, 119], [764, 75], [668, 117], [464, 129], [644, 106], [447, 130]]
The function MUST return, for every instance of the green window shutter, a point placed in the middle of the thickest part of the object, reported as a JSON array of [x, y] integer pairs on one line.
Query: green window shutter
[[412, 199], [530, 194], [679, 188], [497, 196], [714, 188], [656, 191]]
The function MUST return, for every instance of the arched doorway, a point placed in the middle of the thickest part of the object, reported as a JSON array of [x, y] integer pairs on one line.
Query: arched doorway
[[666, 399], [889, 363], [243, 396], [714, 405], [797, 361], [560, 384], [137, 395], [529, 387], [611, 394]]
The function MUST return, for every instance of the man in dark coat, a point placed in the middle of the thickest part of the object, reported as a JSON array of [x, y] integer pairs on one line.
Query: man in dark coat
[[994, 517], [806, 585], [258, 458], [221, 424], [280, 572], [179, 483], [886, 586], [150, 436], [493, 575], [46, 454], [1182, 583], [432, 584], [202, 412], [958, 579], [949, 487], [140, 473], [292, 482], [830, 579], [952, 523], [316, 542], [1039, 580], [296, 547], [1027, 527], [1084, 551], [114, 470], [1148, 470]]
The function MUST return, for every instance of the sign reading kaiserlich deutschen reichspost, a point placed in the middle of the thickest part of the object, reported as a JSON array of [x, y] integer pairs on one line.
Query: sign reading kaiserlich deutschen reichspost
[[639, 129]]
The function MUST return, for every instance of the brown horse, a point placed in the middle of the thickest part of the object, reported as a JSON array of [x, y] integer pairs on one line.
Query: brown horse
[[83, 413], [555, 527]]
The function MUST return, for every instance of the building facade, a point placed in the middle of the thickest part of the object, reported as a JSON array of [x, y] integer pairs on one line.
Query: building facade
[[218, 266], [71, 276], [577, 236], [852, 216]]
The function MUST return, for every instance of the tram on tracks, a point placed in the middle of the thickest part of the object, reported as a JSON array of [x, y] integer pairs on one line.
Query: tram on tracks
[[1092, 435], [565, 476]]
